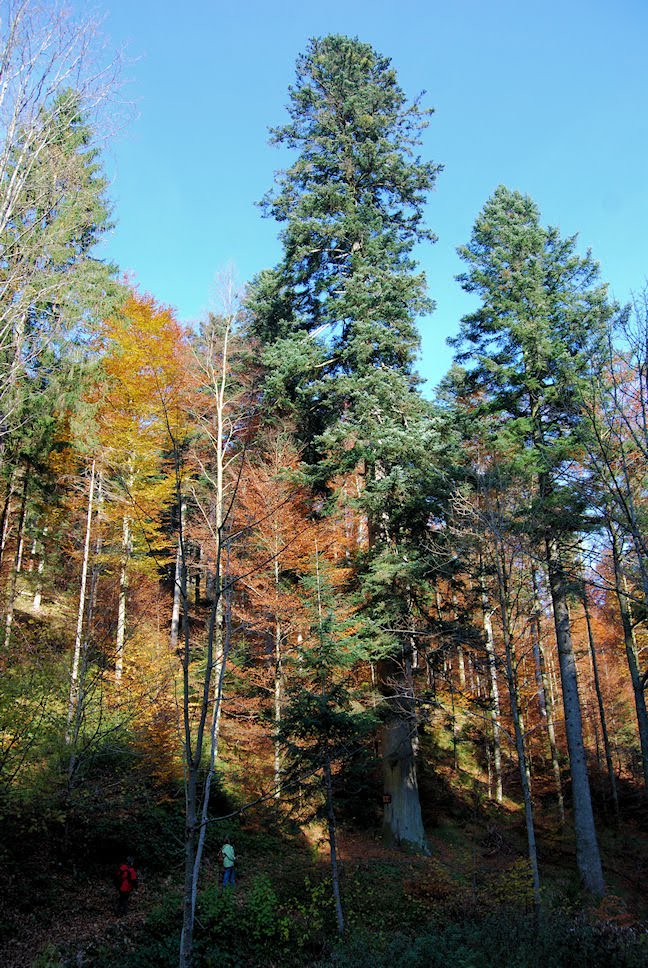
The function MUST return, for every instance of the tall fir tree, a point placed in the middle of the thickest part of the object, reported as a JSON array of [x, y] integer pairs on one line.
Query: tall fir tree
[[338, 318], [529, 348]]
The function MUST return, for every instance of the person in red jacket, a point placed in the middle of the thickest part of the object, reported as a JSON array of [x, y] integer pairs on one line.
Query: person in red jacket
[[126, 883]]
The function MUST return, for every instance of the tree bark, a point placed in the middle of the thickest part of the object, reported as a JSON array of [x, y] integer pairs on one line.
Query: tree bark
[[13, 584], [330, 814], [402, 822], [123, 593], [40, 569], [494, 694], [74, 703], [587, 851], [511, 680], [546, 697], [601, 708], [631, 653]]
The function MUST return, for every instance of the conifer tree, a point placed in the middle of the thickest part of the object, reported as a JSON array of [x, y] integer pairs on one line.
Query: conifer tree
[[529, 348], [337, 316], [324, 723]]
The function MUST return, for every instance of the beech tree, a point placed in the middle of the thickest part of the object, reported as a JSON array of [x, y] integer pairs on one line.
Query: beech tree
[[141, 400], [337, 316], [529, 348]]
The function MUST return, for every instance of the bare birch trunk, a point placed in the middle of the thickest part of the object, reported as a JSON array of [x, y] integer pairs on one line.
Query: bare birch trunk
[[6, 514], [210, 705], [123, 594], [74, 706], [13, 584], [494, 695], [40, 570], [177, 586]]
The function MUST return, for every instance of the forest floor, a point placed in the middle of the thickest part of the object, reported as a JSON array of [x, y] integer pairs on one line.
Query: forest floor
[[477, 855]]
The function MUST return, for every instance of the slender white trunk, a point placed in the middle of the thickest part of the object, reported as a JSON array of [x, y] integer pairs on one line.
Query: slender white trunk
[[40, 570], [177, 587], [6, 514], [545, 697], [123, 594], [13, 585], [212, 685], [495, 714], [73, 704]]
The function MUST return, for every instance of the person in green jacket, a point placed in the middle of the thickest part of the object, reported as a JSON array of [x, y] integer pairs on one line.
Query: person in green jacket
[[228, 857]]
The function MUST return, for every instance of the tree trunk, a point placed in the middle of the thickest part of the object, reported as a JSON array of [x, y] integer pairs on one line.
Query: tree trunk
[[210, 701], [631, 653], [40, 569], [74, 703], [546, 697], [601, 708], [6, 514], [491, 658], [13, 584], [121, 608], [330, 814], [511, 680], [587, 852], [494, 694], [177, 591], [402, 822]]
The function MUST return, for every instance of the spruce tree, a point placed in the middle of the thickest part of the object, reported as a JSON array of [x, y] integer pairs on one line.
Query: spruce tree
[[529, 348], [338, 319], [324, 723]]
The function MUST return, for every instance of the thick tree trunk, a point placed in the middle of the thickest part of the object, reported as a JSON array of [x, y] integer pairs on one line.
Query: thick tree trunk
[[402, 822], [587, 851]]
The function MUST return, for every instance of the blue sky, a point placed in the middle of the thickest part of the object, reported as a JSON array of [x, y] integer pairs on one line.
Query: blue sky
[[550, 98]]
